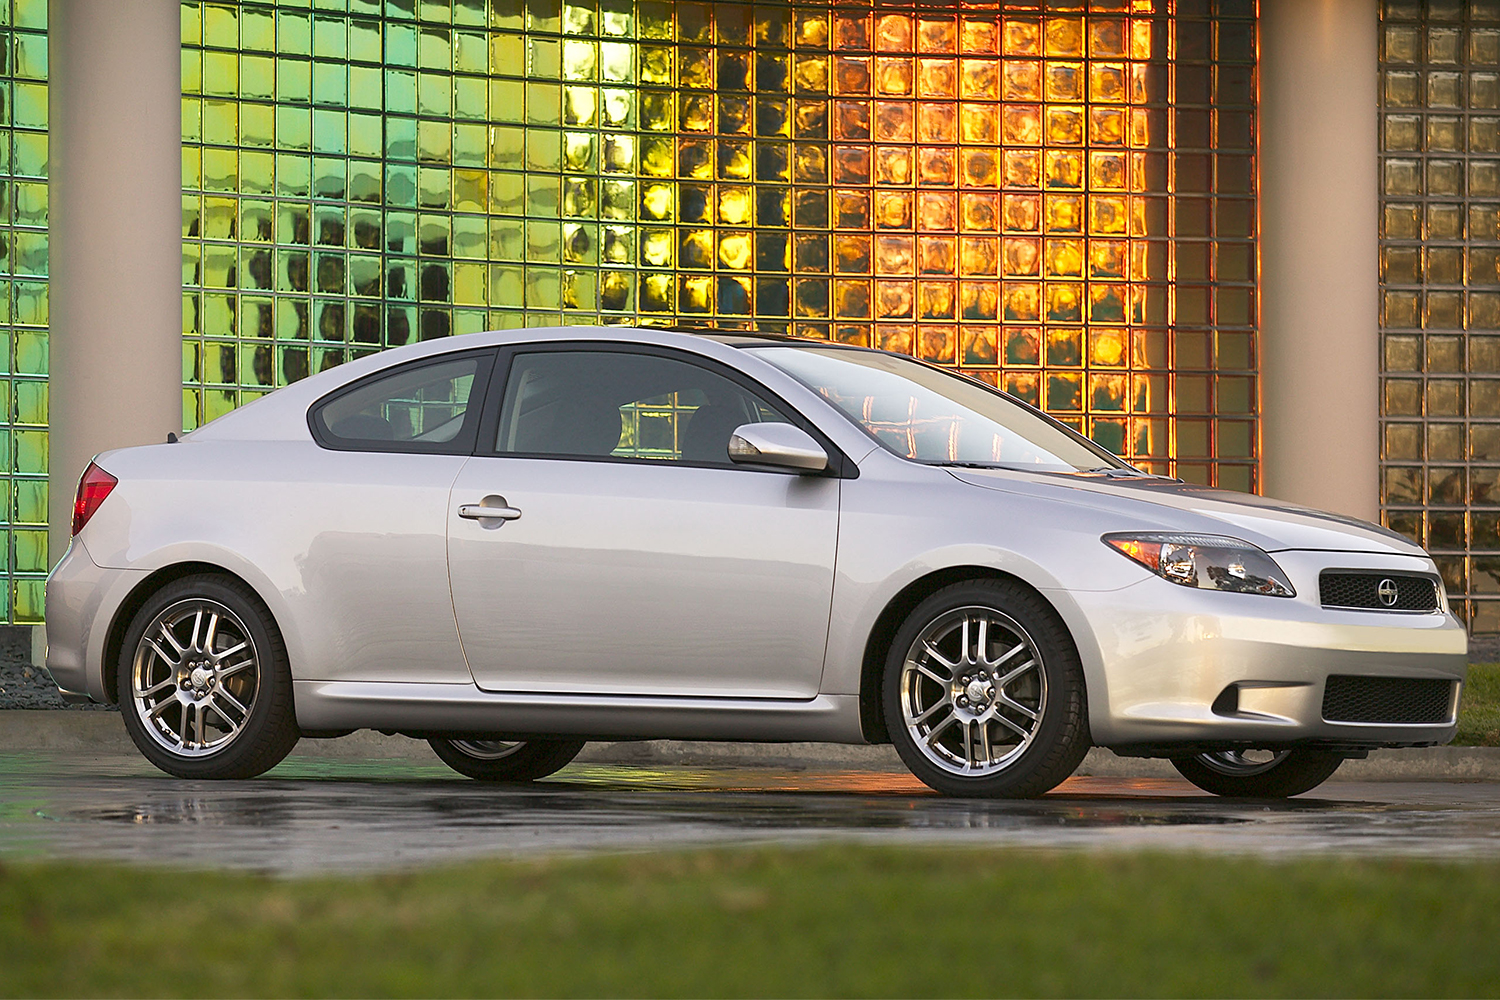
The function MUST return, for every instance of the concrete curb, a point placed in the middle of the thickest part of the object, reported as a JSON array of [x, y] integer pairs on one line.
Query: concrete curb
[[103, 734]]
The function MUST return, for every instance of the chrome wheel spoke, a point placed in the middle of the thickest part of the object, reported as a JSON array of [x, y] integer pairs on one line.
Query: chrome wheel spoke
[[932, 710], [235, 668], [933, 654], [158, 686], [161, 706], [929, 673], [1016, 706], [179, 648], [1010, 654], [208, 635], [222, 655], [984, 735], [939, 729], [1009, 678]]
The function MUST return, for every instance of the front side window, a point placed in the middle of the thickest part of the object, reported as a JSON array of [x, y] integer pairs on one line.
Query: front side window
[[932, 416], [420, 407], [614, 404]]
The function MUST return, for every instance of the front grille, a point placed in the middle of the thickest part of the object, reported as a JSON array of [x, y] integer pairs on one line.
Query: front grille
[[1346, 589], [1388, 700]]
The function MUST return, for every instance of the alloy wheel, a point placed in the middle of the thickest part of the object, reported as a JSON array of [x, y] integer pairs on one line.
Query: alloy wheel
[[195, 677], [487, 749], [1242, 763], [973, 691]]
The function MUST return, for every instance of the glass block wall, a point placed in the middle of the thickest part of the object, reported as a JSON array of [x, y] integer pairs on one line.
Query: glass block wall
[[1440, 286], [1058, 201], [23, 305]]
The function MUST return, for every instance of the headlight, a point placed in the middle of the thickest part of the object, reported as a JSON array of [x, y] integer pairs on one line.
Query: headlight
[[1209, 562]]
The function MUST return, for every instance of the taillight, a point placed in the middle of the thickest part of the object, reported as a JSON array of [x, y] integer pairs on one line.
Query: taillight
[[92, 489]]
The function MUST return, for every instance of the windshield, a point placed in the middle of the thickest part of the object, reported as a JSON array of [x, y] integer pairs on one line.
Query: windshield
[[932, 416]]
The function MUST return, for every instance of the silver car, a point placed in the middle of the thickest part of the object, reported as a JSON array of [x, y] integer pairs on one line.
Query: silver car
[[510, 543]]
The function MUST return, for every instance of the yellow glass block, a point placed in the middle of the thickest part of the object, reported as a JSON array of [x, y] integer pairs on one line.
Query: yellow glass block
[[936, 300], [979, 255], [695, 159], [734, 160], [1107, 258], [810, 73], [1107, 126], [893, 209], [980, 168], [1064, 212], [979, 300], [938, 345], [695, 113], [893, 165], [936, 33], [937, 78], [736, 250], [1107, 303], [1021, 125], [1062, 169], [1023, 302], [980, 211], [1108, 82], [1020, 257], [894, 75], [1063, 81], [658, 248], [937, 122], [851, 299], [735, 206], [978, 34], [1107, 214], [1106, 171], [1108, 37], [894, 299], [1022, 80], [734, 115], [1063, 258], [979, 123], [937, 255], [1063, 36], [1021, 168], [979, 79], [1064, 392]]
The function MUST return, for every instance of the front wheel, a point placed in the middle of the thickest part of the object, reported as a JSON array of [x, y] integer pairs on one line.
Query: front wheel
[[984, 693], [505, 760], [1259, 774]]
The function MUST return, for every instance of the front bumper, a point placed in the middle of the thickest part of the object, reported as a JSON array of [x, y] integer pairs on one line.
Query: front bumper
[[1179, 670]]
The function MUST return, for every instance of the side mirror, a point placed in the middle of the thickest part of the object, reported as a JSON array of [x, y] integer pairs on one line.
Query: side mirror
[[777, 444]]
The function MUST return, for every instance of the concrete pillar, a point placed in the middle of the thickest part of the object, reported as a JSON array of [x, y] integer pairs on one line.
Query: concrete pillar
[[1319, 206], [115, 218]]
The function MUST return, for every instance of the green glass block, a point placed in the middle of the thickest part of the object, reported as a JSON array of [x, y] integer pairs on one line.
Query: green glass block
[[192, 71], [30, 303], [190, 409], [30, 452], [30, 256], [191, 20], [257, 29], [293, 32], [364, 40], [330, 38], [30, 595], [292, 320]]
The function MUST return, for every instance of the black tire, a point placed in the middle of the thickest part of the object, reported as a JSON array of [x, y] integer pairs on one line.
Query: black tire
[[1298, 771], [498, 760], [1052, 690], [205, 687]]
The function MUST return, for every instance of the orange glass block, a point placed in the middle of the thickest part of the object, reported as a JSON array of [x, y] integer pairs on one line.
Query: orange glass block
[[937, 210], [1140, 86], [1021, 125], [1064, 392], [936, 34], [1108, 82], [978, 345], [1063, 259], [851, 30], [893, 33], [811, 254], [938, 344], [894, 75], [1107, 126], [937, 122], [1022, 345], [1064, 125], [936, 300], [1064, 303], [895, 299], [1109, 348], [1024, 386], [1022, 36], [1064, 213], [978, 35], [810, 298], [899, 339], [979, 255], [980, 167], [936, 255], [1107, 303], [1107, 214], [1063, 81], [893, 121], [851, 75], [893, 165], [979, 300], [1023, 302], [1020, 213], [980, 211], [810, 164], [1107, 392], [1140, 39], [937, 79], [1063, 36], [1021, 168], [935, 166], [979, 124], [851, 120], [851, 164], [1106, 171], [979, 79], [736, 250], [1062, 169], [895, 254], [1107, 258], [1108, 37], [851, 209], [1021, 80], [1064, 348], [893, 209], [1020, 257], [851, 299]]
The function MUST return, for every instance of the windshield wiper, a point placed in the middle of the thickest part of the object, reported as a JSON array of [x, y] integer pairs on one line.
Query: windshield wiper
[[1123, 472]]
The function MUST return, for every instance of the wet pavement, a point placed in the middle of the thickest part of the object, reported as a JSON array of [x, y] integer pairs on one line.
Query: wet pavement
[[315, 814]]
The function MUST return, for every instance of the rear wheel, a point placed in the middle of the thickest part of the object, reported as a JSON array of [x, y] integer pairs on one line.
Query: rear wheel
[[504, 760], [205, 689], [984, 693], [1259, 774]]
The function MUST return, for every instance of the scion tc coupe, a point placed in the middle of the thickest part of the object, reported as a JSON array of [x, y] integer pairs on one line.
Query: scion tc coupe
[[510, 543]]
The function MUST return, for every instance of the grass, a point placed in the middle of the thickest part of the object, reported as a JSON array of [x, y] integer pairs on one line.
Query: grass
[[834, 921], [1479, 707]]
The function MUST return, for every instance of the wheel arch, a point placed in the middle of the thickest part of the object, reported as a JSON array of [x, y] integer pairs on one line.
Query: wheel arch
[[890, 619], [114, 639]]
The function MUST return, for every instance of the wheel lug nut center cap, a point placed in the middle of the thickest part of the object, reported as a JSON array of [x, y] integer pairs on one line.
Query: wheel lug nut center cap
[[977, 691]]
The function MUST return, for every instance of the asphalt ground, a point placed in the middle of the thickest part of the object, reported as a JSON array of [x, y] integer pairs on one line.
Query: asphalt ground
[[335, 812]]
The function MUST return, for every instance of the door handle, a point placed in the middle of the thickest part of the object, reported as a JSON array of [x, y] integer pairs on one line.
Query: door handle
[[479, 512]]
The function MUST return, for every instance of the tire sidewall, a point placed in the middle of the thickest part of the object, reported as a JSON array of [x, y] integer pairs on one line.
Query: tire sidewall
[[532, 760], [1061, 739], [271, 722], [1302, 770]]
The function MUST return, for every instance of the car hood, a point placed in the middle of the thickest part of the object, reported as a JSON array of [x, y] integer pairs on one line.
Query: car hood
[[1270, 524]]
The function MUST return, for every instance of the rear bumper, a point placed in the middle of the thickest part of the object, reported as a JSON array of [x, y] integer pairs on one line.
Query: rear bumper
[[82, 600], [1186, 670]]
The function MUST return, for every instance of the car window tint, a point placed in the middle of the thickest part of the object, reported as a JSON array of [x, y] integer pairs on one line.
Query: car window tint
[[418, 405], [608, 404]]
